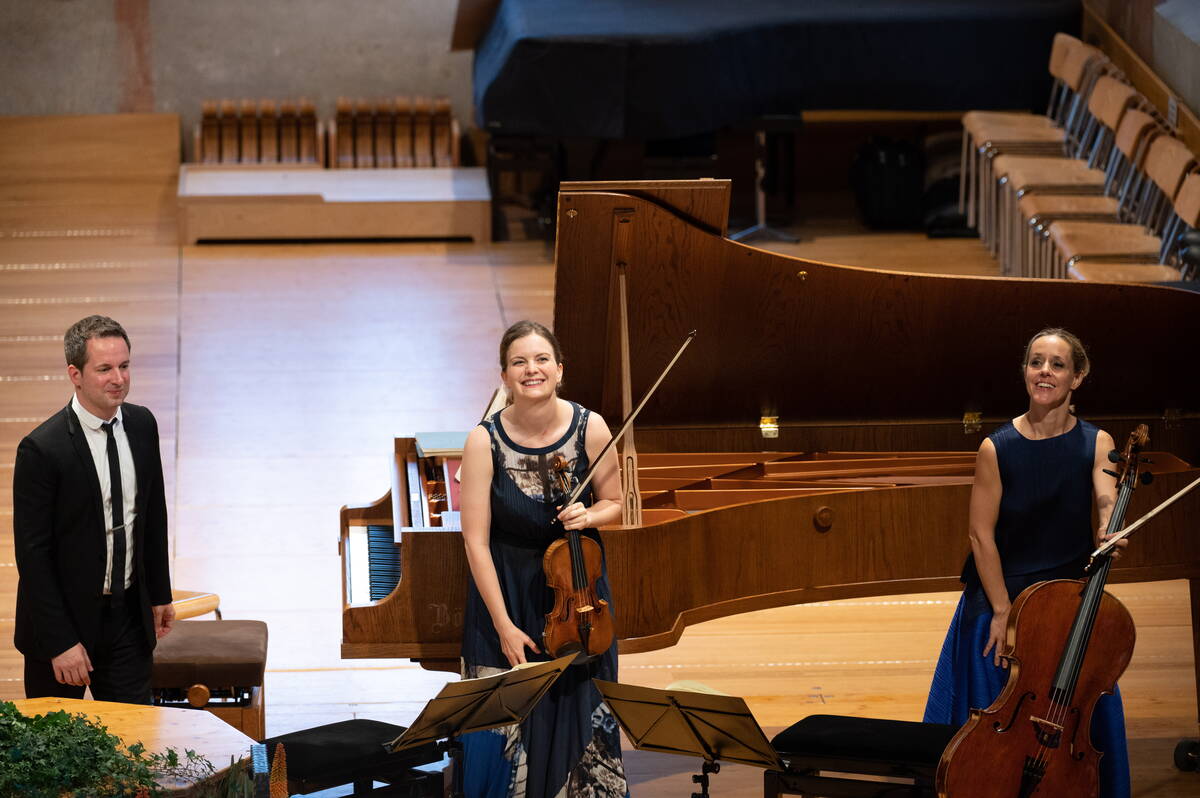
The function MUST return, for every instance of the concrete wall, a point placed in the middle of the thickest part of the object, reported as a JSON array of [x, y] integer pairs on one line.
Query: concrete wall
[[1165, 34], [103, 56], [1176, 42]]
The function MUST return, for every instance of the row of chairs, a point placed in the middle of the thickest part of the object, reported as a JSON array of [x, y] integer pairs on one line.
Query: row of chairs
[[232, 132], [1097, 189], [398, 132]]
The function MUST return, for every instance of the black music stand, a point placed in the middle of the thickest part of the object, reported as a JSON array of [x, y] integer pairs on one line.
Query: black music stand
[[760, 228], [710, 727], [472, 705]]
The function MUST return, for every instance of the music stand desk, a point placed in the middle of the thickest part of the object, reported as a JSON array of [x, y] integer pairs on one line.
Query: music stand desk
[[707, 726], [472, 705]]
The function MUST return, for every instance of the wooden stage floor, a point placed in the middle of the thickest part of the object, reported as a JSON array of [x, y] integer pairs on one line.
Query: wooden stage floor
[[280, 375]]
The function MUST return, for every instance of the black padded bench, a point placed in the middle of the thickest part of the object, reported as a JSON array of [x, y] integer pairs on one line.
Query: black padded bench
[[352, 752], [905, 753]]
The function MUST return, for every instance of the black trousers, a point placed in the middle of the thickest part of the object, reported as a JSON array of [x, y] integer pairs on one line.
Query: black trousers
[[121, 662]]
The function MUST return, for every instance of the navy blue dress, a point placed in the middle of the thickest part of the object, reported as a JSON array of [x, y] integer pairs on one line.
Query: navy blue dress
[[569, 745], [1043, 531]]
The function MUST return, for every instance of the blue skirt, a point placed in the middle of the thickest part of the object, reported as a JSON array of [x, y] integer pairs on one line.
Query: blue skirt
[[966, 679]]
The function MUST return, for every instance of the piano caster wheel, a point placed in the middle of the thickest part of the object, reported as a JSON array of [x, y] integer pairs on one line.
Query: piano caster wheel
[[1187, 755]]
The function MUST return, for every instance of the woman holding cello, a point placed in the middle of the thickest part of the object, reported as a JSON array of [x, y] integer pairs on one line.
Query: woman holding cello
[[1031, 520], [518, 466]]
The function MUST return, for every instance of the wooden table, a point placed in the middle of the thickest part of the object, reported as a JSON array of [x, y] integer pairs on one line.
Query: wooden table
[[157, 728], [193, 603]]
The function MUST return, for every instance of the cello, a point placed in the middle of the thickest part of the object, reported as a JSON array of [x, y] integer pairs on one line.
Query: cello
[[1068, 642], [580, 622]]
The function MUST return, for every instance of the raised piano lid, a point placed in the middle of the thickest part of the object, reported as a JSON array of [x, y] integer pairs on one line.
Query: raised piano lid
[[847, 358]]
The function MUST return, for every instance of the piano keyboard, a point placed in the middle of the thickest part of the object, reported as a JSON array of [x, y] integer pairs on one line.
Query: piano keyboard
[[383, 561]]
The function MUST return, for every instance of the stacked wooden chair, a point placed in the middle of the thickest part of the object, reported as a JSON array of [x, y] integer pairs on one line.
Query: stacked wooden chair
[[1037, 210], [1147, 250], [400, 133], [1085, 170], [262, 132], [1075, 67], [1129, 232], [1097, 189]]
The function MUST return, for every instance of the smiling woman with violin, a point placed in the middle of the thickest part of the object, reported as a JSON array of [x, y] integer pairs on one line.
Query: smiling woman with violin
[[1036, 479], [519, 465]]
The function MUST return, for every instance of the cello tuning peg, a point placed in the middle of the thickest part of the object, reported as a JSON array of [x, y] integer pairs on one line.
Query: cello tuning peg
[[1114, 456], [1112, 473], [1147, 477]]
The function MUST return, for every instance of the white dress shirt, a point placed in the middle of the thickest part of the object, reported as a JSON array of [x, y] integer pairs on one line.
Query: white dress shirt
[[97, 440]]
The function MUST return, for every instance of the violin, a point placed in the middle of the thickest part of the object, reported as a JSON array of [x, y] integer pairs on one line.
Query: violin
[[580, 622], [1068, 642]]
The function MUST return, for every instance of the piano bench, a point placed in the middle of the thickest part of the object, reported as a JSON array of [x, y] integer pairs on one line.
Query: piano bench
[[352, 752], [844, 757], [217, 666]]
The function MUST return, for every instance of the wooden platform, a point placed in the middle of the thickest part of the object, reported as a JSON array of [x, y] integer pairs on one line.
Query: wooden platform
[[270, 202]]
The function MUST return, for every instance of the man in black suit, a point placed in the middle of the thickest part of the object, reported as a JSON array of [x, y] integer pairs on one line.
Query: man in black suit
[[90, 527]]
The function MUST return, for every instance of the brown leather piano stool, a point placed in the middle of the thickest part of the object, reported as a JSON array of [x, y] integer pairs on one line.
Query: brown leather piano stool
[[217, 666], [843, 757]]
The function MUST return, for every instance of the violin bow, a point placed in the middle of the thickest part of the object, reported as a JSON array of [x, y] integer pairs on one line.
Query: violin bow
[[1111, 543], [591, 472]]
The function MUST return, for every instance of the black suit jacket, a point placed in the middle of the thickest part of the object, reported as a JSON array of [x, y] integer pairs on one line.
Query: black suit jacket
[[59, 531]]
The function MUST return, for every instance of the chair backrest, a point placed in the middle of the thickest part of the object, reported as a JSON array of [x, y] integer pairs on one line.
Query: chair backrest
[[1076, 62], [1167, 161], [1063, 44], [1134, 127], [1187, 201], [1110, 99]]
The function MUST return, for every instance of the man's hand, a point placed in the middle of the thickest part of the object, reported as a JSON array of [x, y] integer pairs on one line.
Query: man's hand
[[164, 619], [72, 666]]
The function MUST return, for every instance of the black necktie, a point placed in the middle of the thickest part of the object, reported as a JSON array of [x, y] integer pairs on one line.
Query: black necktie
[[117, 572]]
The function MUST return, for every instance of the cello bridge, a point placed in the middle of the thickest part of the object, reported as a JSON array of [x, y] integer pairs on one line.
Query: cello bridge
[[585, 608], [1048, 733]]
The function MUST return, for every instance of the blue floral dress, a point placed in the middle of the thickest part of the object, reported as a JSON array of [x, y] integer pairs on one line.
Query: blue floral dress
[[569, 745]]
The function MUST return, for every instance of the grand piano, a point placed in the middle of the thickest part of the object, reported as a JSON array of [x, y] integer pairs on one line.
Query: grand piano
[[816, 440]]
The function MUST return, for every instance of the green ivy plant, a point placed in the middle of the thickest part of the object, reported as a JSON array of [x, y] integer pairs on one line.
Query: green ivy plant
[[59, 754]]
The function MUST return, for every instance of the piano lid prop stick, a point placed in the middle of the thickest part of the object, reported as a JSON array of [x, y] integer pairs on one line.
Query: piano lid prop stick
[[587, 478], [1111, 543]]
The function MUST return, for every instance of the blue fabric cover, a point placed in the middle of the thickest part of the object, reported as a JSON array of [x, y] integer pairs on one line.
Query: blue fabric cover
[[673, 68]]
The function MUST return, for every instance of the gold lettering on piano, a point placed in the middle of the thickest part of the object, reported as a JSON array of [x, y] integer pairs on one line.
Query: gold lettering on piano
[[441, 617]]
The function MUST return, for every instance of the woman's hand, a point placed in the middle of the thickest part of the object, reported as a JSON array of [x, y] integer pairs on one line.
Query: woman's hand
[[1122, 543], [997, 634], [513, 643], [574, 516]]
